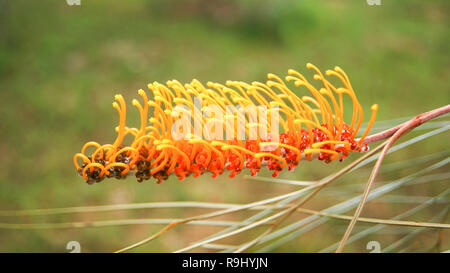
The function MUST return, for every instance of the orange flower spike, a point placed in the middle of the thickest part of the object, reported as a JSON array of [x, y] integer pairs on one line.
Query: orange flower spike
[[312, 125]]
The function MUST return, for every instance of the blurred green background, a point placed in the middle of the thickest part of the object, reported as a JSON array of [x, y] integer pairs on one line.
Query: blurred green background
[[61, 65]]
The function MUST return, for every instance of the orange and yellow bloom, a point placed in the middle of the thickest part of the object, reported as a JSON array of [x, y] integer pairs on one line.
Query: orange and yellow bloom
[[312, 126]]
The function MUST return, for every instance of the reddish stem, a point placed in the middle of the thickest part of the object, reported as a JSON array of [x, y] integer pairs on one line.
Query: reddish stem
[[418, 120], [396, 133]]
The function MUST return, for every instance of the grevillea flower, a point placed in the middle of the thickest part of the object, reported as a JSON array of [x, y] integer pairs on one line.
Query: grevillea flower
[[312, 127]]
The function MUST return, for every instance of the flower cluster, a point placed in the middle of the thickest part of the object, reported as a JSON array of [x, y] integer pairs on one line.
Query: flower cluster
[[312, 127]]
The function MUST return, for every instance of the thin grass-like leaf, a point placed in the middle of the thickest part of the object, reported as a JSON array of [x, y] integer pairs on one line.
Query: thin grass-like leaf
[[413, 234], [377, 228], [292, 231]]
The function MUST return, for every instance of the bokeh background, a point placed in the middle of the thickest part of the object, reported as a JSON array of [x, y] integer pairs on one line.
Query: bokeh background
[[61, 65]]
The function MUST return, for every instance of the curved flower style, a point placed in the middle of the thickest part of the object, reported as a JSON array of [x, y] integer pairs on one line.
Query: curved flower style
[[312, 127]]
